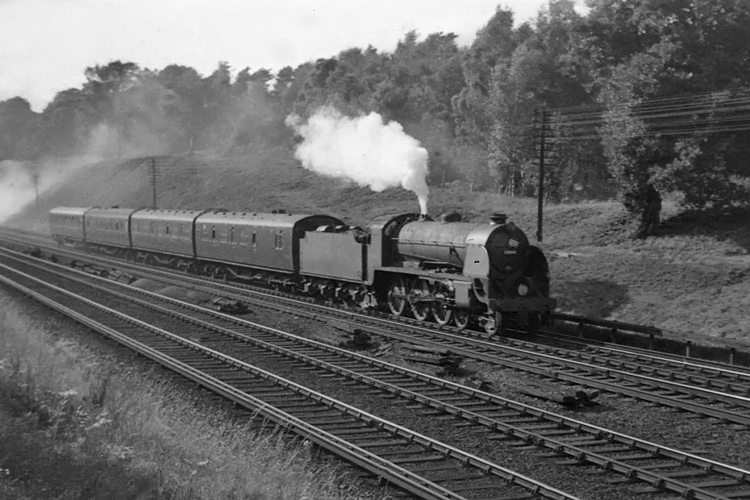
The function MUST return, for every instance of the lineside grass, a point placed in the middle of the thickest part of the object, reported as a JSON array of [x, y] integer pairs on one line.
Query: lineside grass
[[76, 425]]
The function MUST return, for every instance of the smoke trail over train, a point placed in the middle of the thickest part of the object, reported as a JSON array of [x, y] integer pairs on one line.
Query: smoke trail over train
[[363, 149]]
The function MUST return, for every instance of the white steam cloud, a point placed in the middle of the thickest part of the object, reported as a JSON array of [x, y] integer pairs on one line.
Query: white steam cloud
[[17, 188], [20, 181], [363, 149]]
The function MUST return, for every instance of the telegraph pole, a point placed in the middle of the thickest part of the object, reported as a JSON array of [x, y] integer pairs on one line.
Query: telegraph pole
[[540, 200], [544, 127]]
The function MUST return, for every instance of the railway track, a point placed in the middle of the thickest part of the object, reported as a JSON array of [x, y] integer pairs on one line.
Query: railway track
[[422, 466], [706, 389], [573, 442]]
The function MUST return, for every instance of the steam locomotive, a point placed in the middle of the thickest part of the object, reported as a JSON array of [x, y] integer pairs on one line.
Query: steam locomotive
[[445, 270]]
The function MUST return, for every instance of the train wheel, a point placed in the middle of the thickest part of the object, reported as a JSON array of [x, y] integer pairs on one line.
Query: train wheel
[[441, 313], [493, 323], [461, 318], [421, 310], [397, 296]]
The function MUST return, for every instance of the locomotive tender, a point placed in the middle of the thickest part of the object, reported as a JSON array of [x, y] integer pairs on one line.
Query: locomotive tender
[[447, 270]]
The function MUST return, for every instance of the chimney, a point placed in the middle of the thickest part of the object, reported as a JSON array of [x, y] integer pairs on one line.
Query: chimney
[[498, 219]]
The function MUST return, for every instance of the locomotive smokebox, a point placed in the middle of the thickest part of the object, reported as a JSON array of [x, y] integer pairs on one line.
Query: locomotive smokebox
[[498, 218]]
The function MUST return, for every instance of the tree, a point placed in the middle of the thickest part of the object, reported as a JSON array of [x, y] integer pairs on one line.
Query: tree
[[644, 51], [18, 129], [472, 106], [183, 103], [67, 123], [103, 84]]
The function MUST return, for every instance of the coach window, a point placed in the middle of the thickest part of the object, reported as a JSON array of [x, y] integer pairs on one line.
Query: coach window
[[151, 228], [166, 229], [182, 231], [279, 240], [231, 235], [213, 232]]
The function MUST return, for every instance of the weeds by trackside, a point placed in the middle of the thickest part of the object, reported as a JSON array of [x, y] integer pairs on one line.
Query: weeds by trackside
[[76, 425]]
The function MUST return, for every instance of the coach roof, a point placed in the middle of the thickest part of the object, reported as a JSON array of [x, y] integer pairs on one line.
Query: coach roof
[[259, 219], [69, 210], [166, 215]]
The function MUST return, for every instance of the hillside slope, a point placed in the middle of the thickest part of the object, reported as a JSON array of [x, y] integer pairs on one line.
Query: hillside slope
[[692, 280]]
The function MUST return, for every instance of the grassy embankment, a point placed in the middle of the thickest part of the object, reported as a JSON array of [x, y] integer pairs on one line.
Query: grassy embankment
[[74, 424]]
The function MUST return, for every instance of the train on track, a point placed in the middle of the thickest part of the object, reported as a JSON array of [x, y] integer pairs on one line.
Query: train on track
[[445, 270]]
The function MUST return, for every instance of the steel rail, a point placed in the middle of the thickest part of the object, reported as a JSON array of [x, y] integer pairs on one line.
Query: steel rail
[[675, 360], [559, 447], [642, 353], [479, 350], [397, 475], [686, 372]]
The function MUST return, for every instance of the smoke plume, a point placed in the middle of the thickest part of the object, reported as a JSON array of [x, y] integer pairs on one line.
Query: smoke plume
[[20, 181], [363, 149]]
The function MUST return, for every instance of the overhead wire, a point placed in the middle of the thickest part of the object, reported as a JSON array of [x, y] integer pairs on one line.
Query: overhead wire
[[701, 113]]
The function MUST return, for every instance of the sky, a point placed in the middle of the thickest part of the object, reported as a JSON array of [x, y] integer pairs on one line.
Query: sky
[[45, 45]]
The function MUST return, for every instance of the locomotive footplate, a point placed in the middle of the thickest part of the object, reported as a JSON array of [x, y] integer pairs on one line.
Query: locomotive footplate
[[523, 304]]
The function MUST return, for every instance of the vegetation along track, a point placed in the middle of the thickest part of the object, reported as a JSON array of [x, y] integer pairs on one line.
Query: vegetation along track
[[425, 467], [663, 469]]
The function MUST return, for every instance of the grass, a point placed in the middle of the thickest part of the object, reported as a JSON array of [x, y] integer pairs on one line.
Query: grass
[[76, 425]]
